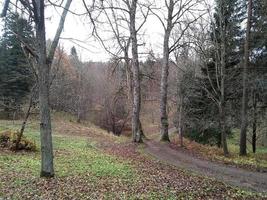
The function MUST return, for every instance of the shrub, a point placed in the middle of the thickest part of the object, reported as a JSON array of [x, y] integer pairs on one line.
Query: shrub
[[8, 140]]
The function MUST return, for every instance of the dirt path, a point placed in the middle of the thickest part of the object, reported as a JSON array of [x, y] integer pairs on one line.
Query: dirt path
[[255, 181]]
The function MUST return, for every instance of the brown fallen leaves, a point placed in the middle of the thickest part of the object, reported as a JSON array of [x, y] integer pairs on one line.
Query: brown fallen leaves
[[153, 180]]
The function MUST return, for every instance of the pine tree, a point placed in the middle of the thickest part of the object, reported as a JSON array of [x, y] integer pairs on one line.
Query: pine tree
[[225, 40], [224, 54], [16, 77], [259, 33], [257, 72]]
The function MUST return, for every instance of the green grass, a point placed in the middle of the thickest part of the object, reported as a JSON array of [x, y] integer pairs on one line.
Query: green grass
[[82, 170], [233, 143], [74, 156], [257, 160]]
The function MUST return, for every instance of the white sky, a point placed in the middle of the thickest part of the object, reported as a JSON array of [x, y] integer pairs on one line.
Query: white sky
[[89, 49], [79, 29]]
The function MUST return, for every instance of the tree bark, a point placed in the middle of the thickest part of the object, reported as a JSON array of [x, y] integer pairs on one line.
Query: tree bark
[[44, 62], [47, 165], [137, 137], [180, 123], [254, 124], [164, 125], [243, 133], [80, 94], [222, 103], [223, 131], [130, 97]]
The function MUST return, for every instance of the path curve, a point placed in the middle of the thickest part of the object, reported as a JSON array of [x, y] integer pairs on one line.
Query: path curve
[[255, 181]]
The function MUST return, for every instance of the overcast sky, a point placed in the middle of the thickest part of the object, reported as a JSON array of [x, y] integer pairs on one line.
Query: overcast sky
[[77, 32], [80, 30]]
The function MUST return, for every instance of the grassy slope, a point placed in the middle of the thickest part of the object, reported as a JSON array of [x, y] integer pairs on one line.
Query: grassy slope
[[86, 172], [74, 157]]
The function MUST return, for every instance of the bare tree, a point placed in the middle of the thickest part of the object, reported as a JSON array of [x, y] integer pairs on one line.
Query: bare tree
[[36, 11], [125, 14], [216, 75], [178, 14]]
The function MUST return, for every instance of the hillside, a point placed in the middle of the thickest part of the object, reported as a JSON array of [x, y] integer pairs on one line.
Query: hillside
[[92, 164]]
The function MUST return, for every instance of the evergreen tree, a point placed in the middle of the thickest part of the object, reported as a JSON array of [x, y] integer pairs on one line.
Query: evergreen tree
[[16, 77], [259, 33], [257, 70], [225, 55], [210, 96]]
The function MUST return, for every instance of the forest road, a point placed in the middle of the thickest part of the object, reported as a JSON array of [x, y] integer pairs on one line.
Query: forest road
[[255, 181]]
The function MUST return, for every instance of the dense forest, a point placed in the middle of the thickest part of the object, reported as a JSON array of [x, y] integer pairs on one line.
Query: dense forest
[[199, 94]]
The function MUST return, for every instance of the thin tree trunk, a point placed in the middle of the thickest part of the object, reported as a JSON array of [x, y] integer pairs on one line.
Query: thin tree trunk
[[136, 78], [180, 123], [80, 96], [222, 103], [20, 134], [223, 131], [130, 91], [254, 124], [243, 133]]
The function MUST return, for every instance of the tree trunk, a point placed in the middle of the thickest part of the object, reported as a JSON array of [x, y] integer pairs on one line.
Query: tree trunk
[[47, 166], [243, 133], [254, 124], [223, 131], [137, 137], [20, 134], [129, 76], [164, 125], [80, 96], [180, 123], [222, 103]]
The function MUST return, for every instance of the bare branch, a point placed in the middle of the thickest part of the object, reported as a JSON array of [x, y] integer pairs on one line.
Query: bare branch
[[58, 33]]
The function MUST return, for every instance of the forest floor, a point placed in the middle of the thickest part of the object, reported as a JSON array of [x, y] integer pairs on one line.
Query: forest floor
[[92, 164]]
